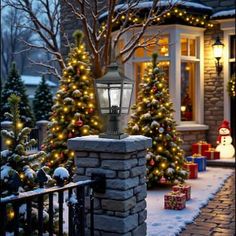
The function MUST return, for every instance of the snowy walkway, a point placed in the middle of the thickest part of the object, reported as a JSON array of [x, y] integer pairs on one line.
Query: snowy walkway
[[162, 222]]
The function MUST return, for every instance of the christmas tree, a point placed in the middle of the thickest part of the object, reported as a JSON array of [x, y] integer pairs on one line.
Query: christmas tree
[[42, 102], [15, 162], [73, 112], [153, 118], [15, 85]]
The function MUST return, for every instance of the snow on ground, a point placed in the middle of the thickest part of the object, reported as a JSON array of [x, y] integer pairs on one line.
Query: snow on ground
[[161, 222]]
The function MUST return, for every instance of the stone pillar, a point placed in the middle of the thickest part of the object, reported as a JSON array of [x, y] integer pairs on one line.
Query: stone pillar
[[42, 126], [7, 126], [121, 211]]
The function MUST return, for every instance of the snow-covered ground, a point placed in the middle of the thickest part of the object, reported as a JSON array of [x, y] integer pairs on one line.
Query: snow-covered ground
[[161, 222]]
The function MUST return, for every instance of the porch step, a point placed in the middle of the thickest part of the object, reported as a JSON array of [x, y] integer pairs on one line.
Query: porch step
[[222, 162]]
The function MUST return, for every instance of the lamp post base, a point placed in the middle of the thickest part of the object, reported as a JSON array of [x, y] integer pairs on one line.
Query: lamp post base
[[113, 136]]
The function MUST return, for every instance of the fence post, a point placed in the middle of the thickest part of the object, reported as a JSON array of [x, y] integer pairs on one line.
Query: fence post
[[121, 210], [7, 126], [42, 126]]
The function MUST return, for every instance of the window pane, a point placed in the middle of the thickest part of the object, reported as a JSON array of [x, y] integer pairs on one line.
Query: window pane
[[152, 48], [115, 97], [103, 97], [192, 47], [140, 70], [163, 46], [184, 46], [232, 46], [187, 91]]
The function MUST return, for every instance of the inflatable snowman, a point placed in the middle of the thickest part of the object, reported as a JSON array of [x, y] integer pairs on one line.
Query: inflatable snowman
[[224, 141]]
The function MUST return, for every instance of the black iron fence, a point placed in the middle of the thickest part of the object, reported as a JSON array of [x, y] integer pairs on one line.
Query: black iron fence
[[70, 198]]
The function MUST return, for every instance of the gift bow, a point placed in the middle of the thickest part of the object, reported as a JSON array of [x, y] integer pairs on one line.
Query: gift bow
[[196, 155], [202, 142]]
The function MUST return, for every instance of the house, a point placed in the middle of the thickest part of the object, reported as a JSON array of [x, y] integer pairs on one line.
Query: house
[[198, 91], [31, 82]]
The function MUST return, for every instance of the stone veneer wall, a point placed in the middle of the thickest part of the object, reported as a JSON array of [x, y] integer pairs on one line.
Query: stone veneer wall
[[190, 137], [213, 87], [121, 210]]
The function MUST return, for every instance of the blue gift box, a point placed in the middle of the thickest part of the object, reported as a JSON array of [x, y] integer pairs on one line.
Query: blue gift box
[[199, 160]]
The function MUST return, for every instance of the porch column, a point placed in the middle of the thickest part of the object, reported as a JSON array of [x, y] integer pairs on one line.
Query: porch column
[[121, 210]]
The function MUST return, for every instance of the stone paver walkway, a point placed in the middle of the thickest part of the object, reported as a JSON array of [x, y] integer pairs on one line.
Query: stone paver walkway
[[217, 218]]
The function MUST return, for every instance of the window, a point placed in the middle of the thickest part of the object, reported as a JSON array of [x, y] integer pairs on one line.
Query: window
[[159, 45], [187, 91], [140, 71], [189, 68]]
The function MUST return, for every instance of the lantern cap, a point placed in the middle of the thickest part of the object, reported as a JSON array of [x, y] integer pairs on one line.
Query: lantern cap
[[217, 42], [114, 76]]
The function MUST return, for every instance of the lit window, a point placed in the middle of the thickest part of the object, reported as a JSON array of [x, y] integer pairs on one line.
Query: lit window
[[160, 45], [187, 91], [188, 47], [140, 71]]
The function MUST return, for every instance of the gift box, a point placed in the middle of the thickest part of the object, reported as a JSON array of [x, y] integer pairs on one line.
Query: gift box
[[199, 160], [192, 169], [200, 147], [185, 189], [212, 154], [174, 201]]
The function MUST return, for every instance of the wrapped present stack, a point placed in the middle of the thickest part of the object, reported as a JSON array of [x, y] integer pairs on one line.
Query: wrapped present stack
[[199, 160], [200, 147], [192, 168], [185, 189], [174, 201], [212, 154]]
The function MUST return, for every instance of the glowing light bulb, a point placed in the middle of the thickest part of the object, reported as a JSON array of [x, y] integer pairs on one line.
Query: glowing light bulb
[[8, 142], [65, 109], [19, 125], [163, 165], [11, 214], [60, 136]]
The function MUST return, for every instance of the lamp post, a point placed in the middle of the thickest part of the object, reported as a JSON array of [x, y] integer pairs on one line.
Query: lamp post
[[114, 92], [218, 52]]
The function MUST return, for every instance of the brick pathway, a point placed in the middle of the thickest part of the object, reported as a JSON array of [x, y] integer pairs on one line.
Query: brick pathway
[[217, 218]]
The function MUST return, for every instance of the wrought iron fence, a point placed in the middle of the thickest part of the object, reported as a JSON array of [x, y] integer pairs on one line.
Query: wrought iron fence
[[43, 200]]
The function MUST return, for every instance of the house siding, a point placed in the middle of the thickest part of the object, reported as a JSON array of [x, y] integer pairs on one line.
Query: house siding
[[213, 87]]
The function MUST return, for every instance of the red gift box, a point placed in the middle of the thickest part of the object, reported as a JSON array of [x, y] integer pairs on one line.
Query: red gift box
[[192, 168], [185, 189], [200, 147], [212, 154], [174, 201]]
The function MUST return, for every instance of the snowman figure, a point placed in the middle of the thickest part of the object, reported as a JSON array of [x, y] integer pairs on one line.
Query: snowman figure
[[224, 141]]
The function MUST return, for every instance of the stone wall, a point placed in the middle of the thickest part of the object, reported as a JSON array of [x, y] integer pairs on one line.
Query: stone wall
[[213, 87], [121, 211], [190, 137]]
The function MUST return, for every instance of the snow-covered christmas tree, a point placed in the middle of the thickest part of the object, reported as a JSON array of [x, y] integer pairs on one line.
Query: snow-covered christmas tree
[[15, 162], [15, 85], [153, 117], [42, 101], [73, 112]]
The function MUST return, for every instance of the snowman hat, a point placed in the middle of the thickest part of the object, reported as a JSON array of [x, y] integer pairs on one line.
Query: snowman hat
[[225, 124]]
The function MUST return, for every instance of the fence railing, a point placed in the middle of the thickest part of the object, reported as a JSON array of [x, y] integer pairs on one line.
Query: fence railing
[[43, 200]]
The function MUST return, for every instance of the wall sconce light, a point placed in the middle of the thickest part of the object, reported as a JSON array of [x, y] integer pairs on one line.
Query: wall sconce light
[[114, 91], [218, 52]]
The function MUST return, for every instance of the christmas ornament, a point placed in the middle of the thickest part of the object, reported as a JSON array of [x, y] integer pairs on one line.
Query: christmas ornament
[[70, 135], [62, 155], [154, 88], [152, 162], [79, 123], [162, 180], [91, 110], [161, 130]]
